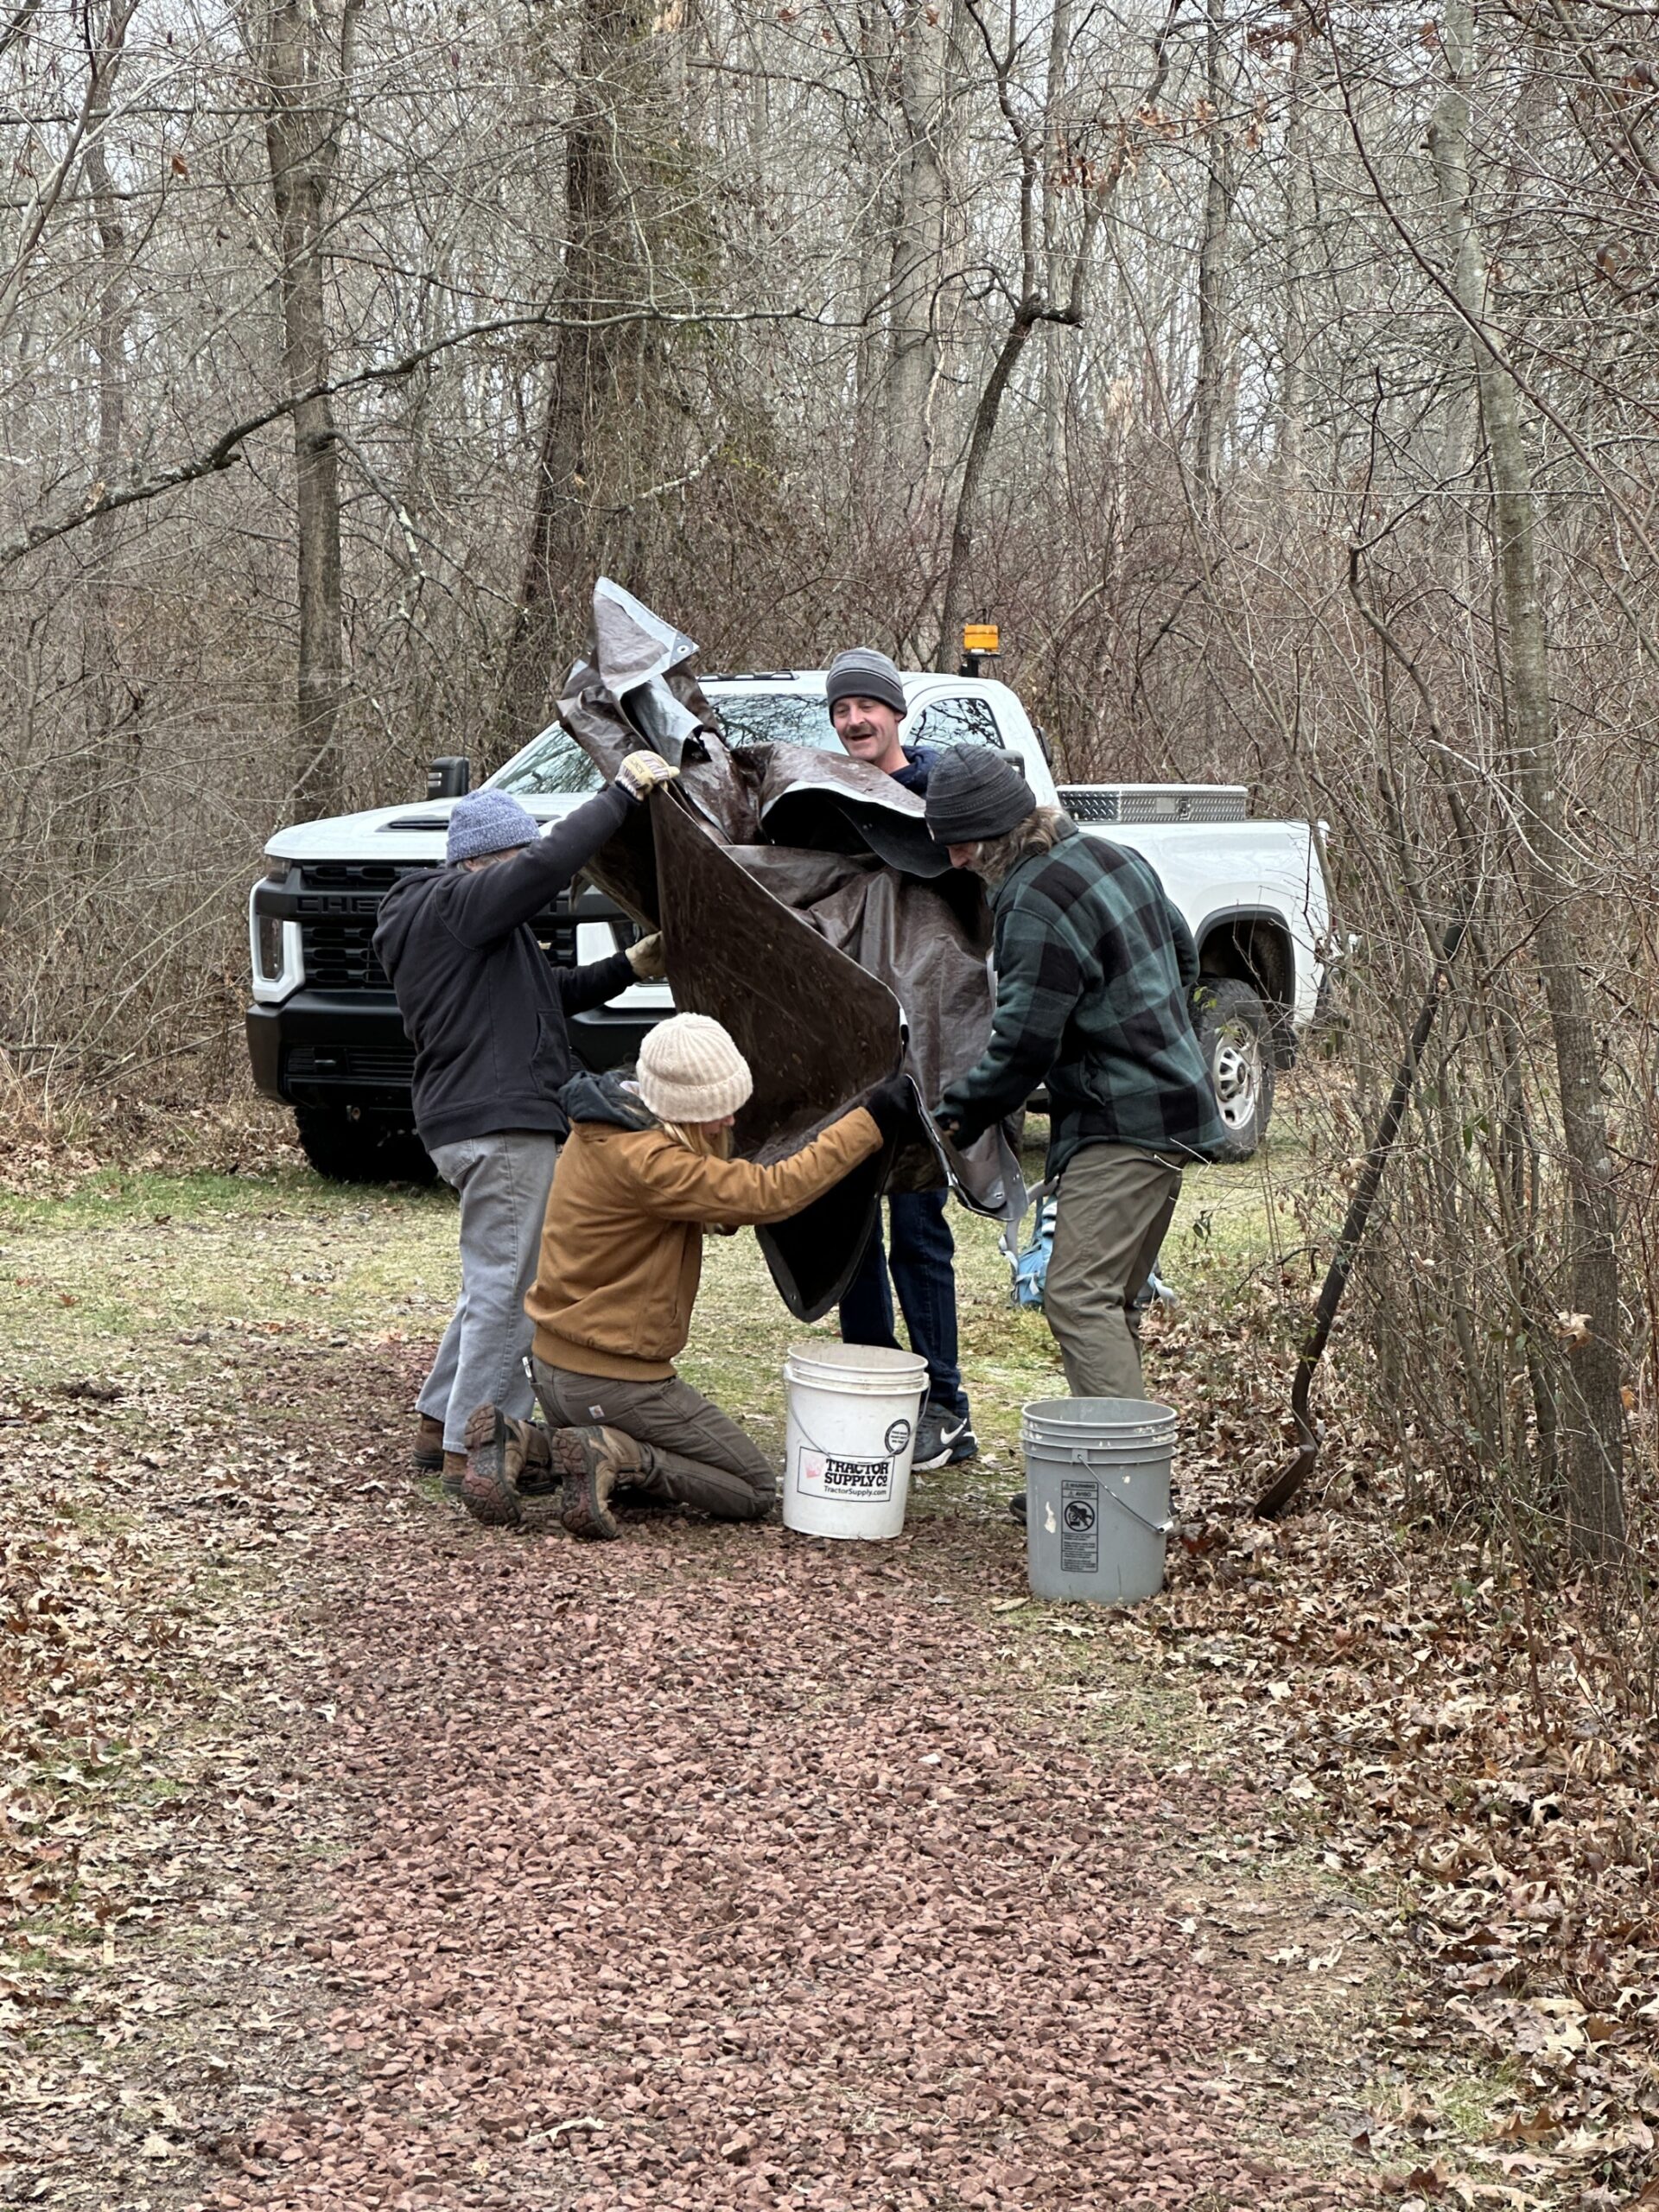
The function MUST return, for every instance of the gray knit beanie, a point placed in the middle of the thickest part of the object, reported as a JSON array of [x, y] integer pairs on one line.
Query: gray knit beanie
[[862, 673], [975, 791], [489, 821]]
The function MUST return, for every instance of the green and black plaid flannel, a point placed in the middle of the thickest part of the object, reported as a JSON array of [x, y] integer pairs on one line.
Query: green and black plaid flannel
[[1094, 968]]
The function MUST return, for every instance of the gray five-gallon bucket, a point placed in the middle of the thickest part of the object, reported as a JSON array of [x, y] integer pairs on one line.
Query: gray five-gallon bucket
[[1097, 1497]]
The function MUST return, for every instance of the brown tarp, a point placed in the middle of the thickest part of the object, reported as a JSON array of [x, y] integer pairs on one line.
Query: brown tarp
[[803, 904]]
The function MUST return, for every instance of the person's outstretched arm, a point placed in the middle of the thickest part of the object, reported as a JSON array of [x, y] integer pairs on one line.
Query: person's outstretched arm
[[493, 902], [681, 1186]]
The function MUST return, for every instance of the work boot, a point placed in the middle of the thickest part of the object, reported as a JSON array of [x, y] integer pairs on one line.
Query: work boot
[[455, 1474], [535, 1474], [426, 1456], [497, 1447], [593, 1461]]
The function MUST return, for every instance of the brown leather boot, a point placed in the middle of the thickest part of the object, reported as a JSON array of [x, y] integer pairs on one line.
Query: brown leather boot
[[592, 1462], [504, 1456], [536, 1474], [426, 1456], [455, 1474]]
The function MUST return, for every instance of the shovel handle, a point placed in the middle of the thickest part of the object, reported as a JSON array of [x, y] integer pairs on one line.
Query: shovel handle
[[1285, 1486]]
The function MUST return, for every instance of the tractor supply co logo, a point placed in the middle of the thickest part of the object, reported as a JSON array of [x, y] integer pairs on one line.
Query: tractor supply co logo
[[897, 1437], [1079, 1525], [860, 1481]]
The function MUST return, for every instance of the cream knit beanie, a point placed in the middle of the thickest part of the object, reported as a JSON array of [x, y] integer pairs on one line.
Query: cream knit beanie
[[690, 1071]]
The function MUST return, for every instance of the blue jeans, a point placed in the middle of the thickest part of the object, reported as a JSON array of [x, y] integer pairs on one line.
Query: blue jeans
[[922, 1251]]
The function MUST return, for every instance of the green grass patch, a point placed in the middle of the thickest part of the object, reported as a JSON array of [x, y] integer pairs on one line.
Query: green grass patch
[[129, 1265]]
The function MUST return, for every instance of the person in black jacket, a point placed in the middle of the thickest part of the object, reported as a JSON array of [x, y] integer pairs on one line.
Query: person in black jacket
[[866, 697], [485, 1009]]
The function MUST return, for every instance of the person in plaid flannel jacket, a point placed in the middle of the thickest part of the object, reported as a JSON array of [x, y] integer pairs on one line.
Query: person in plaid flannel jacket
[[1094, 972]]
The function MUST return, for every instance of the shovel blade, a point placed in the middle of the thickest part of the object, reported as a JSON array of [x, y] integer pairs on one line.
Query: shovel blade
[[1291, 1476]]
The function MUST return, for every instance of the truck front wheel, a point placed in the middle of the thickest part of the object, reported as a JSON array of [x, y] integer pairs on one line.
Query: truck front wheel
[[349, 1146], [1236, 1035]]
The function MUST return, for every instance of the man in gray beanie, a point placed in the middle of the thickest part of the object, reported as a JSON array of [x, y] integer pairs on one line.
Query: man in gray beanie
[[865, 694], [485, 1009], [1094, 973]]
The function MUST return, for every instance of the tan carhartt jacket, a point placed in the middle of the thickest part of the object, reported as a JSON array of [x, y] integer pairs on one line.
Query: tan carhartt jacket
[[622, 1243]]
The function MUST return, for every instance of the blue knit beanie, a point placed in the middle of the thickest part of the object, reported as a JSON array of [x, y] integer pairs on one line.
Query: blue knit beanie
[[489, 821]]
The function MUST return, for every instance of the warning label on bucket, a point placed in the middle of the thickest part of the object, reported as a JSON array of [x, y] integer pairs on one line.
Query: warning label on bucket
[[819, 1475], [1079, 1525]]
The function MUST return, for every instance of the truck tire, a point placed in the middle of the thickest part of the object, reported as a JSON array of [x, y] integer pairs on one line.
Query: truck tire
[[349, 1146], [1236, 1035]]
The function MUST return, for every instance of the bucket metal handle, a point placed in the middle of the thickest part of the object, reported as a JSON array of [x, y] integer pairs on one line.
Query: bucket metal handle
[[813, 1446], [1155, 1527], [1152, 1527]]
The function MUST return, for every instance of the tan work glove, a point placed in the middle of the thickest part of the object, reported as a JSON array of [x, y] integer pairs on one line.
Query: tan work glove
[[646, 958], [641, 772]]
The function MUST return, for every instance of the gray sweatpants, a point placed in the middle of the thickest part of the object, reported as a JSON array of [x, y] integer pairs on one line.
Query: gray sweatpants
[[692, 1455], [1114, 1209], [503, 1180]]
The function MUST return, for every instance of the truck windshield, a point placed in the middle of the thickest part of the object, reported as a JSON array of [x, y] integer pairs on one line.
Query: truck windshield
[[556, 766], [774, 718], [788, 718]]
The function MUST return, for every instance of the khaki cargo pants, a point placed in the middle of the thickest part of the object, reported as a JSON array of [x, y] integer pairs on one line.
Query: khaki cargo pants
[[695, 1454], [1114, 1206]]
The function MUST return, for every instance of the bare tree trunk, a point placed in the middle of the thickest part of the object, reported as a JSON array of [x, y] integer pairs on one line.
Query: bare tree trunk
[[1293, 368], [1595, 1439], [957, 577], [1209, 400], [596, 278], [305, 87], [918, 268], [873, 267], [1036, 304], [111, 767], [1059, 354]]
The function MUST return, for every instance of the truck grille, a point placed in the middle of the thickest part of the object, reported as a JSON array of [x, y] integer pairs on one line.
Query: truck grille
[[337, 904], [355, 1064], [377, 876], [340, 955]]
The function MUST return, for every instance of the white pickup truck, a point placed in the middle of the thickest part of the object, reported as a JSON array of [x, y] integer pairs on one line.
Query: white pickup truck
[[324, 1032]]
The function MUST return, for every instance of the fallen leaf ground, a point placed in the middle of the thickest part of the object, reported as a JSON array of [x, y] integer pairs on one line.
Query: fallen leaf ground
[[359, 1856]]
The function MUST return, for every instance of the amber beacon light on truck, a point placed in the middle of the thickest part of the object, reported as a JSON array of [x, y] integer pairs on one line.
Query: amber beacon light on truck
[[979, 644]]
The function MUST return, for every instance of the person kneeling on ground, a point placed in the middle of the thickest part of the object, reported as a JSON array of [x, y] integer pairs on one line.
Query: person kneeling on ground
[[645, 1171]]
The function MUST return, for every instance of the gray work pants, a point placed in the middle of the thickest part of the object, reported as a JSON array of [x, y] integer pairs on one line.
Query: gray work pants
[[503, 1180], [1114, 1206], [691, 1453]]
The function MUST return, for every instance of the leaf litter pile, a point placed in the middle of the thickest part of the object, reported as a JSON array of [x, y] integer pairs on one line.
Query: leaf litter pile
[[357, 1856]]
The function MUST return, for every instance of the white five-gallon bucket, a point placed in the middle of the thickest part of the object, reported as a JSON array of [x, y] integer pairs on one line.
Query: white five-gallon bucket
[[1097, 1497], [852, 1410]]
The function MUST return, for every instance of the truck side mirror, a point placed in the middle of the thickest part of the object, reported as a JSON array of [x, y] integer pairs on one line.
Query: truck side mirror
[[450, 776]]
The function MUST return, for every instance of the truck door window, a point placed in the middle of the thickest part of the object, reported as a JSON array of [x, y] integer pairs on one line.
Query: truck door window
[[955, 722]]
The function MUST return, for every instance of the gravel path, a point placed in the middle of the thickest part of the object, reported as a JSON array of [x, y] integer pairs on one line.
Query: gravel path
[[716, 1867]]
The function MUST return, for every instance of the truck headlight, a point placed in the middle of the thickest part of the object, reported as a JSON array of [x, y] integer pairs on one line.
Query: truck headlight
[[268, 946]]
